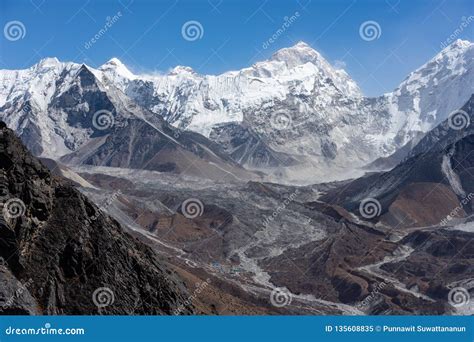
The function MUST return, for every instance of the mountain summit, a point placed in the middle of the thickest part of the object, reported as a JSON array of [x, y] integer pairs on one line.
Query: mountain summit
[[114, 65], [300, 53]]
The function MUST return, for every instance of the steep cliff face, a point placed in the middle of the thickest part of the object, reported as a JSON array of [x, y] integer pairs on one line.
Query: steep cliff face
[[62, 255]]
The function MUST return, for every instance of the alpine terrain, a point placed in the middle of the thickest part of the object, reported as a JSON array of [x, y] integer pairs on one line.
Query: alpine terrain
[[275, 189]]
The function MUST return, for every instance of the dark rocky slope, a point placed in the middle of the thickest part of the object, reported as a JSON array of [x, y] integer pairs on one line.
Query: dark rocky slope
[[141, 145], [62, 249]]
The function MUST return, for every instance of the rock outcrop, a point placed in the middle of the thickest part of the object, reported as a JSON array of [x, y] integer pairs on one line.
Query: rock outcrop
[[62, 255]]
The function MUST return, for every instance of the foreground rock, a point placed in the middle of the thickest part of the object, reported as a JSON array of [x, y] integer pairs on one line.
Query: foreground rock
[[65, 255]]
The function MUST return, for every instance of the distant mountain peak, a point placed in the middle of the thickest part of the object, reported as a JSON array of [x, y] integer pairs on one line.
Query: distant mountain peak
[[461, 43], [116, 66], [114, 61], [449, 60], [301, 45], [456, 47], [300, 53], [181, 69], [48, 62]]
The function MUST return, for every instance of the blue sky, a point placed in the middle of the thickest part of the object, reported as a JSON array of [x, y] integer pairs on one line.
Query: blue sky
[[147, 35]]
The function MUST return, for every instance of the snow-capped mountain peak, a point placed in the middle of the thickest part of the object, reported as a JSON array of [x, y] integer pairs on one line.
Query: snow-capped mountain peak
[[114, 67], [181, 69], [298, 54], [114, 61], [453, 50], [431, 92], [47, 63], [461, 43]]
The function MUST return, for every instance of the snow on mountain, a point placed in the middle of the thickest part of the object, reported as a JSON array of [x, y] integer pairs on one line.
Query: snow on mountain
[[298, 84], [302, 54], [198, 102], [25, 96], [294, 105], [430, 93]]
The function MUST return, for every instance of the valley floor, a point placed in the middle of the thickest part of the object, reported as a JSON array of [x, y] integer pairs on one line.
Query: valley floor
[[260, 248]]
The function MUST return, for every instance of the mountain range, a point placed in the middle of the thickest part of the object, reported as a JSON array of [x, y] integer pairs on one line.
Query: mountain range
[[293, 117], [276, 189]]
